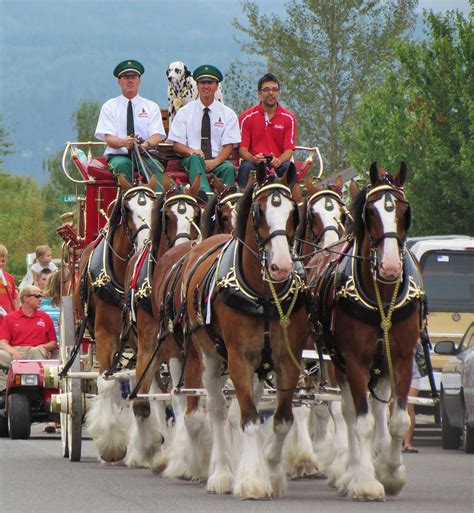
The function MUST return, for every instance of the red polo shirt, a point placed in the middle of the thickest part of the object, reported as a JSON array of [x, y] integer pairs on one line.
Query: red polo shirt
[[20, 330], [269, 138], [7, 294]]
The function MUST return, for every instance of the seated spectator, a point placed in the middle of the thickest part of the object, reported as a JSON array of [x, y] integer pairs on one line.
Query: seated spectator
[[205, 132], [268, 130], [8, 292], [44, 276], [51, 301], [27, 333], [44, 260]]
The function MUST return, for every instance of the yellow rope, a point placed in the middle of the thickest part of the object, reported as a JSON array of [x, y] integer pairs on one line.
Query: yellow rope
[[285, 319], [386, 325]]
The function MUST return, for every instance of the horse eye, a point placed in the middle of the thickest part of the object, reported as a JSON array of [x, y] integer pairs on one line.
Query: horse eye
[[225, 219]]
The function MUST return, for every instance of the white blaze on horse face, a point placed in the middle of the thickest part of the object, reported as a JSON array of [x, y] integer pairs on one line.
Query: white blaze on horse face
[[280, 263], [328, 218], [390, 264], [141, 214], [184, 219]]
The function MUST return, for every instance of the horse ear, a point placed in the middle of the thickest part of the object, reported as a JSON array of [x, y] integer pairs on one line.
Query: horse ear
[[354, 191], [339, 182], [250, 180], [374, 173], [152, 183], [196, 186], [289, 178], [123, 182], [218, 187], [401, 175], [261, 174], [297, 196], [310, 185]]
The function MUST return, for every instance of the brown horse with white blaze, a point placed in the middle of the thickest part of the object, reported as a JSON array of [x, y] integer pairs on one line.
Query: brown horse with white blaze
[[98, 296], [246, 311], [370, 304], [175, 222]]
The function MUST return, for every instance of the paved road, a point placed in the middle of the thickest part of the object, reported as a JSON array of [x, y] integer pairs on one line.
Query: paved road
[[35, 479]]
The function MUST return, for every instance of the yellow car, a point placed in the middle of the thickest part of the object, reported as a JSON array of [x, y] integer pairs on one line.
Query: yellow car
[[447, 266]]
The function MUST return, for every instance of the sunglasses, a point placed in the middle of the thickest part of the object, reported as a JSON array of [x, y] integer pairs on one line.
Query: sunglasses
[[37, 296]]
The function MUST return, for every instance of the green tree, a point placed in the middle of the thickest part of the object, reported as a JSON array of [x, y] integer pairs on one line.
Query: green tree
[[424, 114], [21, 215], [6, 146], [326, 54]]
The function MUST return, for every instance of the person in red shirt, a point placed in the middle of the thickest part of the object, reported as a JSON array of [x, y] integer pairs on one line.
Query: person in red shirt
[[268, 130], [8, 292], [26, 334]]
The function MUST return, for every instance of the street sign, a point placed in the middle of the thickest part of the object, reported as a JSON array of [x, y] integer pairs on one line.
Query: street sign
[[68, 198]]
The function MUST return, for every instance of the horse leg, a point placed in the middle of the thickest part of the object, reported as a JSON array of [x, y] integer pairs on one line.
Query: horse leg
[[363, 484], [107, 423], [145, 438], [282, 423], [382, 435], [391, 472], [220, 473], [300, 459], [252, 479], [338, 458], [189, 453], [319, 427], [178, 402]]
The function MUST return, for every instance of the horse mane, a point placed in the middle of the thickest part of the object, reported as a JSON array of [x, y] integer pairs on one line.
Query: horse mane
[[208, 222], [116, 215], [157, 222], [357, 227], [243, 208], [301, 229]]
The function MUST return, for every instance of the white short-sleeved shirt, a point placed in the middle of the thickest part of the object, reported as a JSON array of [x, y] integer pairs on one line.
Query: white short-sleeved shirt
[[113, 120], [186, 127]]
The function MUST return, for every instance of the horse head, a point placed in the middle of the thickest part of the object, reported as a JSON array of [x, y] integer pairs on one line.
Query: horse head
[[136, 204], [386, 216], [325, 212], [274, 218], [177, 214], [225, 208]]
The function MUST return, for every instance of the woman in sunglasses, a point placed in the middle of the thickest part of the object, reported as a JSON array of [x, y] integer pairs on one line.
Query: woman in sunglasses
[[26, 334]]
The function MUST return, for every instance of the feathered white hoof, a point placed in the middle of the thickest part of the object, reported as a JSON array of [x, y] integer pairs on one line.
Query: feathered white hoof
[[253, 487], [306, 467], [365, 488], [221, 481], [145, 443], [107, 423], [278, 480], [392, 479], [189, 454]]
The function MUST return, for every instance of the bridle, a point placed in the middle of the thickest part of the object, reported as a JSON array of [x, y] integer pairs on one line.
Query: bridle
[[276, 191], [182, 200], [224, 199], [144, 193], [391, 194], [331, 195]]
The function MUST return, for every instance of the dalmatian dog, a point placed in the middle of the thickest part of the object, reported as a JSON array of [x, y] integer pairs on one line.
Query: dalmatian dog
[[182, 88]]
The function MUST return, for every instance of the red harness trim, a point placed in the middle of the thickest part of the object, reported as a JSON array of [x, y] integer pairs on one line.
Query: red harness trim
[[138, 268]]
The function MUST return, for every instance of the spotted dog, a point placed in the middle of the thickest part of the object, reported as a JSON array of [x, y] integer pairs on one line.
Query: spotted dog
[[182, 88]]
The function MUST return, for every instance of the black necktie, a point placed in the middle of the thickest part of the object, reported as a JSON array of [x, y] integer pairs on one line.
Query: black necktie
[[206, 146], [130, 125]]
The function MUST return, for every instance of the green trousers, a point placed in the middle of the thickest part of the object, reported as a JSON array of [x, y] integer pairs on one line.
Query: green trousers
[[194, 165], [122, 165]]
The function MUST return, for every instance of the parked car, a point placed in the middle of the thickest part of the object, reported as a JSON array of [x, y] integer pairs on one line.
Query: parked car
[[457, 393], [447, 266]]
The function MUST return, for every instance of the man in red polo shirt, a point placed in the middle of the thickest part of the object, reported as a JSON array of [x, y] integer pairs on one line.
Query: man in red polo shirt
[[267, 130], [26, 334]]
